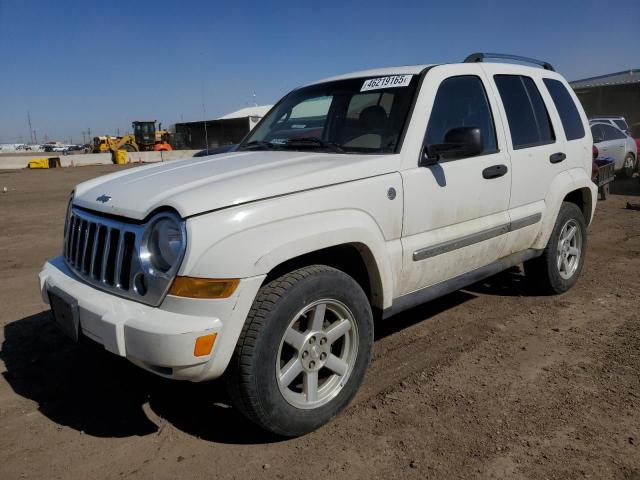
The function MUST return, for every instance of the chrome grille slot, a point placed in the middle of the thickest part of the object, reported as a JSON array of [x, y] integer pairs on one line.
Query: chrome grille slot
[[105, 254], [110, 256], [127, 259], [96, 270]]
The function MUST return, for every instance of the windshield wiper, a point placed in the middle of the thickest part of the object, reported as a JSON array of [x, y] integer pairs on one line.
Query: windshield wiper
[[258, 144], [313, 142]]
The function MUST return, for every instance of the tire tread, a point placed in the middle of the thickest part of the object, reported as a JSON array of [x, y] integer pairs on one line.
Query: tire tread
[[540, 271], [238, 378]]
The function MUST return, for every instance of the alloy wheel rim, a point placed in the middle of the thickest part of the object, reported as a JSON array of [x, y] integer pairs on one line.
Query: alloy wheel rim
[[569, 249], [628, 162], [317, 354]]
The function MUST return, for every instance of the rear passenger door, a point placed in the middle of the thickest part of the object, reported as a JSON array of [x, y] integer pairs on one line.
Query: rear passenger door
[[538, 155]]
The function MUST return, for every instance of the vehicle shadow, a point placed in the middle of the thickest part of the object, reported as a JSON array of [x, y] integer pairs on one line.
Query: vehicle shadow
[[626, 186], [84, 387], [421, 313], [511, 282]]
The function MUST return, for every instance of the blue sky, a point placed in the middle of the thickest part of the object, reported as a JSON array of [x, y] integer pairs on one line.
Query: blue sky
[[101, 64]]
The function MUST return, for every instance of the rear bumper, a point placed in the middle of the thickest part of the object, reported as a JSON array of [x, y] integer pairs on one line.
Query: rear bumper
[[159, 339]]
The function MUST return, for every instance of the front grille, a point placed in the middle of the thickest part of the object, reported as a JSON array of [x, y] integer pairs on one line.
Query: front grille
[[100, 252], [105, 253]]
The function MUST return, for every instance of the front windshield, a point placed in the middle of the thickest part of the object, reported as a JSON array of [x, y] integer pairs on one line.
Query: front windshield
[[362, 115]]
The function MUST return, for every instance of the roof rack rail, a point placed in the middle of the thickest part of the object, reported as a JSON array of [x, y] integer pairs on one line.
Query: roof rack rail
[[479, 57]]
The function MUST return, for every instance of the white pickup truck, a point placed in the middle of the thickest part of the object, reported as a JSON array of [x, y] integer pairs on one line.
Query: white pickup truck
[[355, 198]]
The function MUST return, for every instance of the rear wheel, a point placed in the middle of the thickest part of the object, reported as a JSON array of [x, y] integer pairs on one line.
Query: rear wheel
[[303, 350], [628, 166], [561, 262]]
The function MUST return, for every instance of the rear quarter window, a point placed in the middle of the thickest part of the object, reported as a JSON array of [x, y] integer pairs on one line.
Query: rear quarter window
[[567, 109]]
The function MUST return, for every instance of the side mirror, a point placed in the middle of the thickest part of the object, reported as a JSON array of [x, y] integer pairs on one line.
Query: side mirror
[[458, 142]]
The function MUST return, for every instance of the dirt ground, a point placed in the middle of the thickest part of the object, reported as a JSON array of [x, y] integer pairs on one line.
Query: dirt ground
[[489, 382]]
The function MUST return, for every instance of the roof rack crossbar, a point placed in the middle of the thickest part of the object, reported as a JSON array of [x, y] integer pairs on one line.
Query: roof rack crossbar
[[479, 57]]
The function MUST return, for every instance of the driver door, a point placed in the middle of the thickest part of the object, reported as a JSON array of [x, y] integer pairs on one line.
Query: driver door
[[456, 211]]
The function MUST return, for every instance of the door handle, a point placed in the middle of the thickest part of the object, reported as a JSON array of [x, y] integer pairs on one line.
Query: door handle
[[494, 171], [557, 157]]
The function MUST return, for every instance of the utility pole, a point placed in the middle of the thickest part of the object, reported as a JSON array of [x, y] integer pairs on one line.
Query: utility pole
[[30, 128], [118, 131], [35, 137], [89, 133], [84, 140]]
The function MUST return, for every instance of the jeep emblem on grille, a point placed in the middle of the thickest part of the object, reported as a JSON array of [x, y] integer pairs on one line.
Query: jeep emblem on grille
[[104, 198]]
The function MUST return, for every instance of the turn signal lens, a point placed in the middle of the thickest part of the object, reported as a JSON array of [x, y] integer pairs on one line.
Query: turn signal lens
[[204, 345], [192, 287]]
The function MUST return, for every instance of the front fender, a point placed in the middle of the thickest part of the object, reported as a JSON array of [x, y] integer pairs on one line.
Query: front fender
[[252, 239]]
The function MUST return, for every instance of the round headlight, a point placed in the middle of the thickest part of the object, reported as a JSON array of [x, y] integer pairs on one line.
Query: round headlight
[[165, 243]]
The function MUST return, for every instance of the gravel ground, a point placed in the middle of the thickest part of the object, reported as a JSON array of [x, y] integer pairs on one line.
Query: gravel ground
[[489, 382]]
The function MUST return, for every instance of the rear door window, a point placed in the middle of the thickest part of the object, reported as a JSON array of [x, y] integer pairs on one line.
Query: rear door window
[[622, 125], [569, 115], [527, 114], [611, 133]]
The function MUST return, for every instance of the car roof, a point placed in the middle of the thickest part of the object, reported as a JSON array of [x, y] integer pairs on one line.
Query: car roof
[[417, 69], [377, 72], [600, 122], [607, 124], [599, 119]]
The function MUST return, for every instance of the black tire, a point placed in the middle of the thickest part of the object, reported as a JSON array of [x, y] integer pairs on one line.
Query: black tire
[[251, 376], [542, 272], [627, 172]]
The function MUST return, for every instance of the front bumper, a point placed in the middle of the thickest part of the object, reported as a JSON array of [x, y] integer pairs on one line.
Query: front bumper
[[159, 339]]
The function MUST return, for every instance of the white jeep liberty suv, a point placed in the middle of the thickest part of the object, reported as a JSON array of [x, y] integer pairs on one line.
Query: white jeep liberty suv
[[355, 198]]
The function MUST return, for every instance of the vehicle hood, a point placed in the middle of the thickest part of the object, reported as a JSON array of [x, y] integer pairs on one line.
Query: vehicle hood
[[197, 185]]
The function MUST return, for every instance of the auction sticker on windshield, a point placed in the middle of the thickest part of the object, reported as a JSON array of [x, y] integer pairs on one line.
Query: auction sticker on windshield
[[391, 81]]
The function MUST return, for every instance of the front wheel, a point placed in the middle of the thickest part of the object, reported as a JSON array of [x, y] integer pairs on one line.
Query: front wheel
[[303, 350], [561, 262]]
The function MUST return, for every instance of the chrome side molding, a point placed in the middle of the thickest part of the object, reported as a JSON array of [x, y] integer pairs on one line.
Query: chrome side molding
[[450, 245]]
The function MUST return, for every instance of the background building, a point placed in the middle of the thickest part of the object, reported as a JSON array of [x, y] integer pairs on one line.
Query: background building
[[227, 130], [615, 94]]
